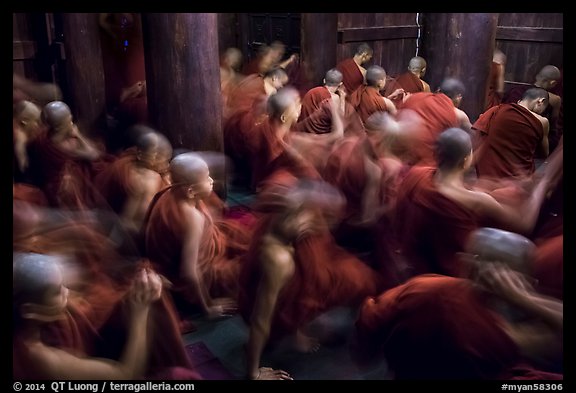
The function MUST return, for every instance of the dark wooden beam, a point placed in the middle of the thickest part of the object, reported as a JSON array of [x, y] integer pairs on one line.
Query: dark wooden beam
[[376, 33], [534, 34]]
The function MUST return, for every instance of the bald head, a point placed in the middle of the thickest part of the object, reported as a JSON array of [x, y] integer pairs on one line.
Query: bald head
[[497, 245], [188, 168], [57, 116], [416, 64], [278, 103], [333, 77], [153, 141], [32, 275], [452, 147], [452, 87], [374, 74], [548, 73]]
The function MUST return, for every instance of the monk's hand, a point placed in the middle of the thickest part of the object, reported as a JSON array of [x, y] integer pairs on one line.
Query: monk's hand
[[269, 374], [396, 93], [146, 288]]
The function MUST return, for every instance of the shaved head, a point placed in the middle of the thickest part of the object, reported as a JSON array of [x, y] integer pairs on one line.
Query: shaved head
[[188, 168], [55, 112], [32, 275], [416, 64], [549, 73]]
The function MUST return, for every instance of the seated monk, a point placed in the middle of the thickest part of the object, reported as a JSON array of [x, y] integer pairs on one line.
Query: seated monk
[[131, 181], [352, 68], [313, 99], [410, 81], [436, 210], [294, 271], [26, 125], [61, 160], [367, 99], [510, 135], [438, 111], [490, 325], [40, 297], [198, 252]]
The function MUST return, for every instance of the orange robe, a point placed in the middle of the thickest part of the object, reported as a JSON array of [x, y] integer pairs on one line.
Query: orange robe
[[438, 327], [326, 276], [221, 245], [438, 114], [367, 100], [508, 138], [352, 76], [407, 81]]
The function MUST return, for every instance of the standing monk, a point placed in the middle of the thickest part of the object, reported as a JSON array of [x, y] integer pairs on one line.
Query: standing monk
[[352, 70]]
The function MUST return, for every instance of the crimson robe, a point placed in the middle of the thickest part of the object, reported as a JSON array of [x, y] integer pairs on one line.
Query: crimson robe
[[352, 76], [431, 228], [320, 122], [438, 114], [326, 275], [312, 101], [509, 136], [436, 327], [222, 243], [367, 100]]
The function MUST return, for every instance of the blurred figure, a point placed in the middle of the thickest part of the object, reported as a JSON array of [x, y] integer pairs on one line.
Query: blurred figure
[[437, 210], [496, 79], [198, 252], [439, 111], [509, 137], [39, 93], [26, 124], [40, 296], [230, 62], [293, 271], [352, 67], [61, 159], [410, 81], [490, 325], [269, 57]]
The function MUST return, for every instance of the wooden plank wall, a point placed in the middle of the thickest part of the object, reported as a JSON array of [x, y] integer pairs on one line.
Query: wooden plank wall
[[392, 36], [530, 41]]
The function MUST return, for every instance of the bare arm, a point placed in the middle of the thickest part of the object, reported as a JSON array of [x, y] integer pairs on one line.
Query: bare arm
[[546, 131], [390, 106], [145, 184], [278, 268], [58, 364], [463, 120]]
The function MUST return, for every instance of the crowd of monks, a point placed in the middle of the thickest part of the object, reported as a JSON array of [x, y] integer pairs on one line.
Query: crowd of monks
[[369, 191]]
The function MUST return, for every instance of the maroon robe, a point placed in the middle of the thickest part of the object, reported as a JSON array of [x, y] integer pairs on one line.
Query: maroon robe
[[367, 100], [431, 228], [438, 327], [312, 101], [352, 76], [508, 138], [325, 276], [320, 122], [438, 113], [221, 245]]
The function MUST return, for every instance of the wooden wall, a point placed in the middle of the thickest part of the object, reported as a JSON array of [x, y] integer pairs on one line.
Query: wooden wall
[[530, 41], [393, 37]]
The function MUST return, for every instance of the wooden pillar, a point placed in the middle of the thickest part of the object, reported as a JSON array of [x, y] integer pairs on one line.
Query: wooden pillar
[[84, 70], [461, 45], [319, 42], [183, 78]]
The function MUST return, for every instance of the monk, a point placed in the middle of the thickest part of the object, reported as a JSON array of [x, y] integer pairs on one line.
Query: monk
[[547, 79], [440, 327], [40, 296], [41, 93], [438, 111], [129, 183], [294, 271], [269, 57], [509, 136], [436, 210], [61, 159], [496, 79], [26, 125], [410, 81], [352, 68], [313, 99], [197, 252], [367, 99], [230, 76]]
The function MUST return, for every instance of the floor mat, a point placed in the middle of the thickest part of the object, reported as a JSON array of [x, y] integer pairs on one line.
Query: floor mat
[[206, 363]]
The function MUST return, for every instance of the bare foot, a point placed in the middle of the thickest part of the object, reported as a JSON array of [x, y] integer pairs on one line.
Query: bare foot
[[306, 344]]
